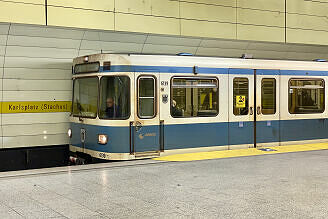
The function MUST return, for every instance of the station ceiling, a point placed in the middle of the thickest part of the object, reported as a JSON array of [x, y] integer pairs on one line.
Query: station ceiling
[[86, 41], [121, 42]]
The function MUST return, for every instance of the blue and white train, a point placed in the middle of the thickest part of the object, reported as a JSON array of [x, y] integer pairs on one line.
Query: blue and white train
[[138, 106]]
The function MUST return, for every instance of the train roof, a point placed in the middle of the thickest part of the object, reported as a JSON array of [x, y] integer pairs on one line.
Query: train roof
[[210, 62]]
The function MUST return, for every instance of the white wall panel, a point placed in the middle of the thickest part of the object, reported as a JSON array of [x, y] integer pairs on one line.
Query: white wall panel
[[34, 118], [268, 46], [122, 37], [37, 140], [87, 52], [158, 49], [21, 51], [167, 40], [42, 31], [111, 46], [37, 85], [121, 47], [222, 52], [10, 96], [43, 42], [308, 48], [90, 45], [207, 43], [1, 62], [39, 63], [2, 50], [3, 39], [305, 56], [266, 54], [35, 129], [38, 74], [4, 29]]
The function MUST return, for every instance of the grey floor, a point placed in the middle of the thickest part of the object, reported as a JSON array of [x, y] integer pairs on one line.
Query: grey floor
[[293, 185]]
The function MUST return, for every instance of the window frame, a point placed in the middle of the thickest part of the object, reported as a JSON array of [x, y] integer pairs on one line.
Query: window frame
[[308, 79], [98, 83], [86, 72], [275, 96], [155, 96], [198, 78], [99, 91]]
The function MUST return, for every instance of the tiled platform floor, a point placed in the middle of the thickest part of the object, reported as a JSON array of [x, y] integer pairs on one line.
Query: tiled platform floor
[[291, 185]]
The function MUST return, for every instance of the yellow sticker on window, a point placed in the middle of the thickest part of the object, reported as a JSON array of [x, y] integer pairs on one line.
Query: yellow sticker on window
[[240, 101]]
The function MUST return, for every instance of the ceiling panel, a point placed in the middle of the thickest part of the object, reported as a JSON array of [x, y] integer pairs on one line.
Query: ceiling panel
[[94, 41], [268, 46], [167, 49], [267, 54], [120, 47], [45, 31], [170, 40], [122, 37], [208, 43], [4, 28], [44, 42], [308, 49], [219, 52]]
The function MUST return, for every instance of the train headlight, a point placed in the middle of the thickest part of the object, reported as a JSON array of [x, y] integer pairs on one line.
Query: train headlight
[[102, 139], [69, 133]]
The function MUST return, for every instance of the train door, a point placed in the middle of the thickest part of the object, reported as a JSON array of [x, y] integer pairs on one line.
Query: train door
[[241, 108], [267, 108], [253, 108], [147, 123]]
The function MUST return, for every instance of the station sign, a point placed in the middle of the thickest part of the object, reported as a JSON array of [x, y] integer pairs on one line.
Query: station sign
[[36, 107]]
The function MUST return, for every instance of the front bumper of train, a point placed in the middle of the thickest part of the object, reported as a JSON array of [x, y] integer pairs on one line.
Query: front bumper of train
[[113, 156]]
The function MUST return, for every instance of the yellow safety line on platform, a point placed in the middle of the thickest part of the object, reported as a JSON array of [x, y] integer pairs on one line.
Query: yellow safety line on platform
[[242, 152]]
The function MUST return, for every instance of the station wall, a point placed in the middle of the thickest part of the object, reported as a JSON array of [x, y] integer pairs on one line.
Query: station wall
[[36, 59], [290, 21]]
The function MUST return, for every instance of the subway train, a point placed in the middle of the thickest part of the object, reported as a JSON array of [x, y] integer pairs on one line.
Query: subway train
[[142, 106]]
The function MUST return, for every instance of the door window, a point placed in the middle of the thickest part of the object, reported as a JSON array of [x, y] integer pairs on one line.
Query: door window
[[146, 97], [268, 96], [240, 96]]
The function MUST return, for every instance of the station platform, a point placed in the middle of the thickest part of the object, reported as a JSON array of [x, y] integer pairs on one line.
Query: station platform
[[276, 185]]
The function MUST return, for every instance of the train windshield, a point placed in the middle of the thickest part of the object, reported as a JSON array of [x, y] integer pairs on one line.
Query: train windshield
[[114, 97], [85, 96]]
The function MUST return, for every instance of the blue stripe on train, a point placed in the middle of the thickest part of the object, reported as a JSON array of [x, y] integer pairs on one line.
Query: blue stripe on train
[[206, 70], [181, 136]]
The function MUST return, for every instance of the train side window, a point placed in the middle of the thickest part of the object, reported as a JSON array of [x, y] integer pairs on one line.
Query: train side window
[[240, 96], [194, 97], [114, 97], [146, 97], [306, 96], [268, 96], [85, 97]]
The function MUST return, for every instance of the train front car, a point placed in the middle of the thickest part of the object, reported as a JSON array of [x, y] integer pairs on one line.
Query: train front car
[[101, 108], [140, 106]]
